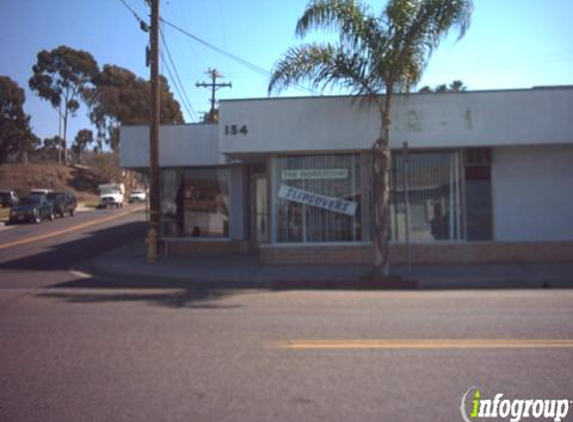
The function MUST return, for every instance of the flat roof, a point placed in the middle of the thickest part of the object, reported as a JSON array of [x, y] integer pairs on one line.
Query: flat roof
[[482, 91]]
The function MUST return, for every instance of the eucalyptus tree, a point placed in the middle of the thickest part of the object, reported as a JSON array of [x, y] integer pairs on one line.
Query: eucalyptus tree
[[118, 96], [16, 137], [61, 76], [83, 139], [373, 57]]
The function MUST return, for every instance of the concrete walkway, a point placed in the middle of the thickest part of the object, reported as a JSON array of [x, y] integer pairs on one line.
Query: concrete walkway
[[128, 265]]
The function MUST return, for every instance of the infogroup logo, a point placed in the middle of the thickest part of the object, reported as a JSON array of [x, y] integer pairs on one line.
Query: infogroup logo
[[515, 410]]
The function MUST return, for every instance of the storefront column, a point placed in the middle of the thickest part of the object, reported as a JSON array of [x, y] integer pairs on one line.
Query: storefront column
[[238, 198], [273, 198]]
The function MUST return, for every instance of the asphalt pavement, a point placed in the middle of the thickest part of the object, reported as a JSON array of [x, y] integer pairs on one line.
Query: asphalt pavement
[[94, 353], [141, 348]]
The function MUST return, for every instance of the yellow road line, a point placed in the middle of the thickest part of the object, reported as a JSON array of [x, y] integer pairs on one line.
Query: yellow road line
[[422, 344], [65, 231]]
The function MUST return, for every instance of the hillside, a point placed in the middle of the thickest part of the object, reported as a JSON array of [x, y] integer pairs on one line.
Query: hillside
[[81, 180]]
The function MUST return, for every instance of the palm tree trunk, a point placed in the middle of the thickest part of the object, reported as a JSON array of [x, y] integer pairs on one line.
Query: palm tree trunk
[[382, 164]]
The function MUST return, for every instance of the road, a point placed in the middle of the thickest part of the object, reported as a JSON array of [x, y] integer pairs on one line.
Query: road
[[83, 349]]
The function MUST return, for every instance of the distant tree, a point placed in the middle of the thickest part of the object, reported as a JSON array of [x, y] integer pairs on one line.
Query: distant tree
[[52, 144], [16, 137], [212, 116], [61, 76], [83, 139], [51, 147], [120, 97], [373, 54], [442, 88], [455, 86]]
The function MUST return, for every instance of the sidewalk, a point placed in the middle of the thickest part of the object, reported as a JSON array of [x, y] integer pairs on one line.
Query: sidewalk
[[128, 265]]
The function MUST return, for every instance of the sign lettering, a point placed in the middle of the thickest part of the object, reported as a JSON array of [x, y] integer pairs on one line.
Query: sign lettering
[[301, 196], [314, 174]]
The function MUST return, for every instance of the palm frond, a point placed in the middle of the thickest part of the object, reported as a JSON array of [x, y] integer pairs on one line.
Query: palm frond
[[416, 27], [374, 54], [351, 19], [322, 65]]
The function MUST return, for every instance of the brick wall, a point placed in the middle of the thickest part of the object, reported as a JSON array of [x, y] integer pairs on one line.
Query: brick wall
[[179, 247], [444, 253]]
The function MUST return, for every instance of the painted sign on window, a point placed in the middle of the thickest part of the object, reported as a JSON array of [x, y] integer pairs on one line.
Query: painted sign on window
[[316, 200], [314, 174]]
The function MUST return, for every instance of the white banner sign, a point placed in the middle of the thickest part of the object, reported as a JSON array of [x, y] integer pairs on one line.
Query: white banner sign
[[314, 174], [316, 200]]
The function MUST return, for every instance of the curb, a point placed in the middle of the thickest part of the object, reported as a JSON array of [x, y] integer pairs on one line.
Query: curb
[[124, 279], [500, 283], [126, 266], [396, 283]]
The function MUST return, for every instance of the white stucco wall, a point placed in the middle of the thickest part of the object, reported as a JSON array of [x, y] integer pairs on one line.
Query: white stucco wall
[[532, 189], [179, 145], [488, 118]]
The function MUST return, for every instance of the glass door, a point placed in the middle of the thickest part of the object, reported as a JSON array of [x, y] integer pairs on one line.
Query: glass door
[[259, 205]]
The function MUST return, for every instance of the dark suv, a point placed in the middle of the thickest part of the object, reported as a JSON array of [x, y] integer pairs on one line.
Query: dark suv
[[8, 198], [63, 202], [33, 208]]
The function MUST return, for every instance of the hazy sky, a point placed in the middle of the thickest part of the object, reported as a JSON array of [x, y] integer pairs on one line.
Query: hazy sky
[[510, 44]]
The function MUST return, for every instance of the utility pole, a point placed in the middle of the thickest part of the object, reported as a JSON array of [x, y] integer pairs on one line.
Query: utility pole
[[215, 74], [154, 193]]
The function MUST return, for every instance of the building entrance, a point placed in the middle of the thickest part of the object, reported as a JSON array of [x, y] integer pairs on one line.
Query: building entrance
[[259, 205]]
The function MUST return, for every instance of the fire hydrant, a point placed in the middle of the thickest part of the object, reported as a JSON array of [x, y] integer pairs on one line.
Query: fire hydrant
[[151, 242]]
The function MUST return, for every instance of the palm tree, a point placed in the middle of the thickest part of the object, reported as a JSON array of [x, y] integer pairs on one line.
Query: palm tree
[[374, 55]]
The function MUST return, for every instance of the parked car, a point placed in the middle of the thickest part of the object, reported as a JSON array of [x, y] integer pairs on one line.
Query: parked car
[[8, 198], [40, 191], [137, 196], [33, 208], [63, 202]]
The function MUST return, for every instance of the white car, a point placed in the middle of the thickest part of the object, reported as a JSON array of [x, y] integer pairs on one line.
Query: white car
[[137, 196]]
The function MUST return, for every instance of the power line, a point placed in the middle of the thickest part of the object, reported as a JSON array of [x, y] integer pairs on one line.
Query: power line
[[182, 94], [190, 112], [177, 80], [238, 59], [142, 23], [131, 9], [244, 62]]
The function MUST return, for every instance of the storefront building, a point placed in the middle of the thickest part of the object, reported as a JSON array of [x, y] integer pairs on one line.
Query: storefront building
[[486, 177]]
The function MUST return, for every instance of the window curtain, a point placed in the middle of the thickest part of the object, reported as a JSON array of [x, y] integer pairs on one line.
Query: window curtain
[[170, 201], [334, 176], [434, 196]]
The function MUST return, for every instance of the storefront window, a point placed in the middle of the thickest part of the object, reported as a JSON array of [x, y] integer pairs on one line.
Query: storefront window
[[195, 202], [318, 198], [434, 187]]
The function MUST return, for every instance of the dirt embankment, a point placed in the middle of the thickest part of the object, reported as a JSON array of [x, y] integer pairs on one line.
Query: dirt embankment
[[81, 180]]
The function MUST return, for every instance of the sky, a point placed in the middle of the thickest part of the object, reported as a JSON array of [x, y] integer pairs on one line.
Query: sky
[[510, 44]]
